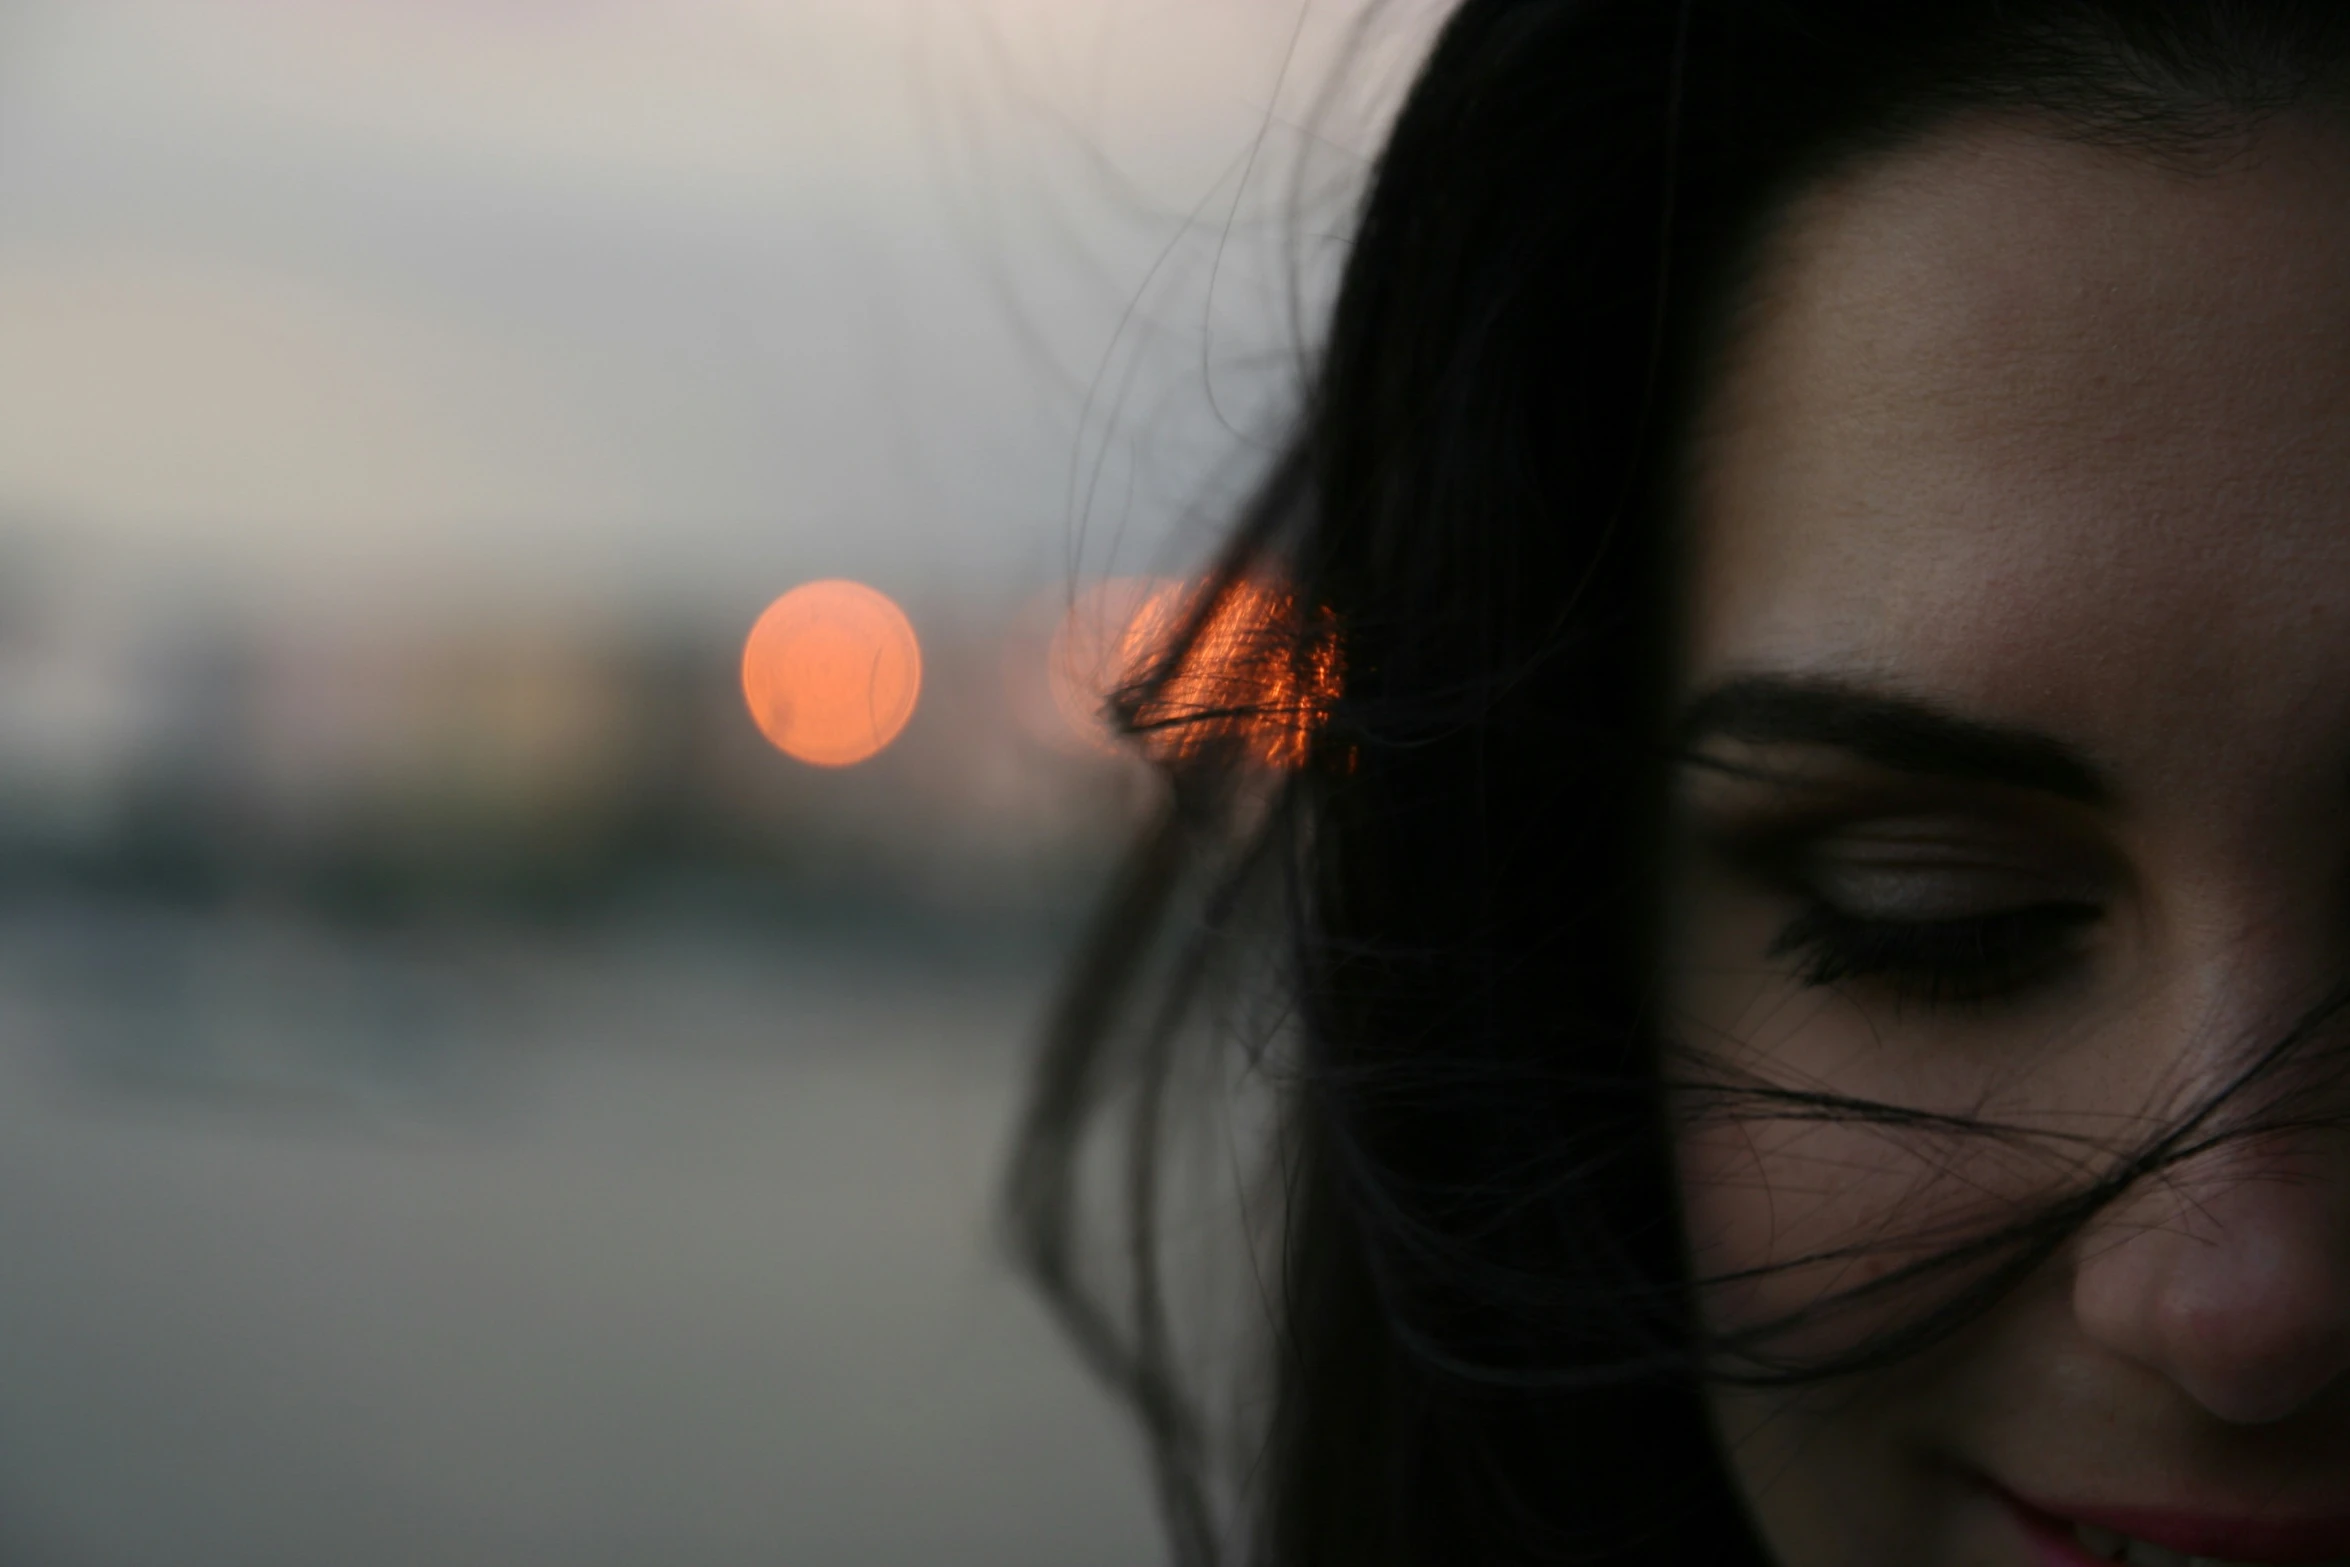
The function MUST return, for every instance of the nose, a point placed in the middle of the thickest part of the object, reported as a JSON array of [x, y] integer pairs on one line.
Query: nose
[[2229, 1276]]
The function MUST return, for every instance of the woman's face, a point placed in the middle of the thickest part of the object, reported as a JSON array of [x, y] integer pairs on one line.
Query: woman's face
[[2017, 665]]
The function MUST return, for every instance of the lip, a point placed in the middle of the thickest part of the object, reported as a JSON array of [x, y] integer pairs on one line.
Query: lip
[[2229, 1537]]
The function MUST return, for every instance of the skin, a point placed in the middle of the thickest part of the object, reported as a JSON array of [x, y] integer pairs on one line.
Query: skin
[[2054, 437]]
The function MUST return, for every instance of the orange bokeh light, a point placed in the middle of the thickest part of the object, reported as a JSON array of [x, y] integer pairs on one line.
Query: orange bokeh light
[[831, 672], [1259, 675]]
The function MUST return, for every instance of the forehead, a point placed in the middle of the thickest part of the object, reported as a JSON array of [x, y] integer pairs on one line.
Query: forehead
[[2054, 431]]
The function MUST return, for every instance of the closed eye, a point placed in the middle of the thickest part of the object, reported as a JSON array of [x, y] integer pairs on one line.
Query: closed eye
[[1968, 961]]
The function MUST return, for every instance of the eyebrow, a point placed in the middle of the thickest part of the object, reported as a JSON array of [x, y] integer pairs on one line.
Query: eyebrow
[[1899, 733]]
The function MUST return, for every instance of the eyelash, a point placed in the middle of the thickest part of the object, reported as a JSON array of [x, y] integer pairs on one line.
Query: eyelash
[[1951, 963]]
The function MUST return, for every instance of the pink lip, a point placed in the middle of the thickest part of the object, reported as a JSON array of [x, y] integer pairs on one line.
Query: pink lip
[[2236, 1538], [2053, 1543]]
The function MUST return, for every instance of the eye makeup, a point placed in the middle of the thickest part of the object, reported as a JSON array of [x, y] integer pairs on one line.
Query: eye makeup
[[1966, 962], [1933, 897]]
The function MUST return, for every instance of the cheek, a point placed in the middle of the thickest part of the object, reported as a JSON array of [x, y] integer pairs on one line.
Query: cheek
[[1786, 1217], [1773, 1195], [1822, 1189], [1784, 1214]]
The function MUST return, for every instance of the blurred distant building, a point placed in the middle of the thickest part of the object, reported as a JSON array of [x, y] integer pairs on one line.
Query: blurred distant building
[[536, 769]]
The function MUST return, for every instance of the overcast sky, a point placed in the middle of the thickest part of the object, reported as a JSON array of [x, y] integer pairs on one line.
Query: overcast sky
[[671, 301]]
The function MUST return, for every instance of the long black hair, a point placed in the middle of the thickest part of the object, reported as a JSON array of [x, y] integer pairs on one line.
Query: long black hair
[[1482, 1351]]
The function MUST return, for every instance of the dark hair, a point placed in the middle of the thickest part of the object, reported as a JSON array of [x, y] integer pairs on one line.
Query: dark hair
[[1481, 1348]]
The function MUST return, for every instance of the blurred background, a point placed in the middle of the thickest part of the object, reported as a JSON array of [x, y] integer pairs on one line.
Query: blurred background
[[469, 1091]]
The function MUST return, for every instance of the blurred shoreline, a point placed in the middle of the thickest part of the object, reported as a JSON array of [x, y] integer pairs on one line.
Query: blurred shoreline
[[533, 771]]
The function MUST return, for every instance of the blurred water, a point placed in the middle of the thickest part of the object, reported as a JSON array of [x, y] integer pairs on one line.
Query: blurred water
[[641, 1243]]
